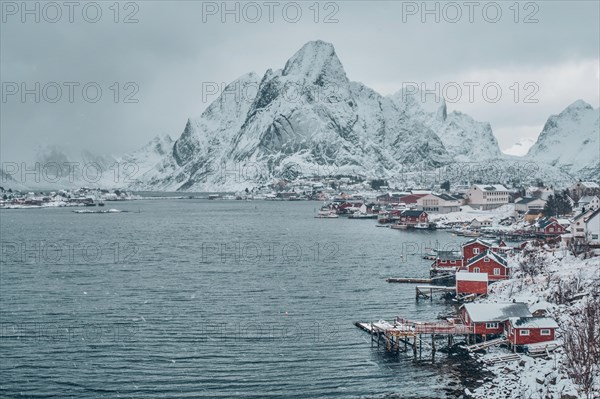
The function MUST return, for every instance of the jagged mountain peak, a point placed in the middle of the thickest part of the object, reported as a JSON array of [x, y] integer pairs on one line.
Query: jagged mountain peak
[[578, 105], [570, 140], [317, 62]]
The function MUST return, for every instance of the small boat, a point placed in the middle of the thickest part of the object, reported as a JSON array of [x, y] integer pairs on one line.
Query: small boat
[[471, 234], [399, 226], [101, 203], [384, 217], [421, 226], [361, 213], [327, 214]]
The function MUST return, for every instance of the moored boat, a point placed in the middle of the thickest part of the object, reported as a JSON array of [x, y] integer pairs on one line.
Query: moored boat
[[327, 214], [399, 226]]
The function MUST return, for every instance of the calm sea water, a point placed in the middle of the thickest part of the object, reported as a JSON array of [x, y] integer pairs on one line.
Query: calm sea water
[[197, 298]]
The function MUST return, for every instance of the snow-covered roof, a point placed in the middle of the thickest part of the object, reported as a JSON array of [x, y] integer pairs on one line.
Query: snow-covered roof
[[526, 200], [533, 322], [466, 276], [486, 312], [586, 199], [479, 240], [412, 213], [490, 187], [449, 197], [592, 216], [492, 255], [543, 223]]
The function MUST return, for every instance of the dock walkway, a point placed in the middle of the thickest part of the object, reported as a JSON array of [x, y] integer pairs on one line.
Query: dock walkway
[[410, 333]]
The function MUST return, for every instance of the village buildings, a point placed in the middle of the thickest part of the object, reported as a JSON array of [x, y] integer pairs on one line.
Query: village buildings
[[488, 196]]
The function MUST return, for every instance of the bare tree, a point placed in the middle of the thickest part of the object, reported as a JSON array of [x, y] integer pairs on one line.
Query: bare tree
[[582, 346], [532, 264]]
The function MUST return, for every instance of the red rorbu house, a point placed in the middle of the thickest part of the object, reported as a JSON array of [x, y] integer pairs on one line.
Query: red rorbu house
[[530, 330], [491, 263], [489, 318], [411, 199], [446, 262], [448, 259], [414, 217], [550, 227], [477, 246], [471, 283], [349, 206]]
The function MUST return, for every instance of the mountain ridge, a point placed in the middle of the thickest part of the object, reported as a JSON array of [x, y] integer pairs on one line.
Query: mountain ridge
[[309, 118]]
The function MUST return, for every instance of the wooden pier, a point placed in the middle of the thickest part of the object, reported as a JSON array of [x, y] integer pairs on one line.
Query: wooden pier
[[402, 333], [408, 280], [427, 291]]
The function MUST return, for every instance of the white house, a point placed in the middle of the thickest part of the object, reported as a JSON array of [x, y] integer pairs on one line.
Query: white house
[[488, 196], [527, 204], [439, 203], [588, 202], [480, 222], [593, 229], [578, 225]]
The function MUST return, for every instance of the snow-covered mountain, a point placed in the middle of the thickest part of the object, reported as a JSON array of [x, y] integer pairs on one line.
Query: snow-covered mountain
[[57, 166], [570, 141], [520, 148], [465, 139], [310, 118]]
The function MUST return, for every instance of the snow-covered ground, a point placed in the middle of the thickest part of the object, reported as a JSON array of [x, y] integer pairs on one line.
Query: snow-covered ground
[[561, 276], [467, 214]]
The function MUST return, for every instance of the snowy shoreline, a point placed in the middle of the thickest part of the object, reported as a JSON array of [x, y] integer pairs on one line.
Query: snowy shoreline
[[561, 276]]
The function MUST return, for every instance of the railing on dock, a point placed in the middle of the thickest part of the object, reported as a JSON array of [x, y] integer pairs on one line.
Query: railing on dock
[[410, 333]]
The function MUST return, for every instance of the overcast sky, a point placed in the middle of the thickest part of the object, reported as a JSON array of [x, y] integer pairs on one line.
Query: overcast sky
[[175, 47]]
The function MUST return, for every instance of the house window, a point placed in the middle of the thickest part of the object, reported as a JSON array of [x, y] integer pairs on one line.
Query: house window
[[496, 271], [476, 270], [490, 326], [486, 259], [551, 229], [545, 331], [475, 250], [523, 332]]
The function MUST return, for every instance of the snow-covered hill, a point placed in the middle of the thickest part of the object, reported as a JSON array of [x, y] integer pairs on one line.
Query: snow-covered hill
[[570, 141], [520, 148]]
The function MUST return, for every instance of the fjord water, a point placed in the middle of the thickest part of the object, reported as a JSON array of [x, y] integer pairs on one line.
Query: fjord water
[[195, 298]]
